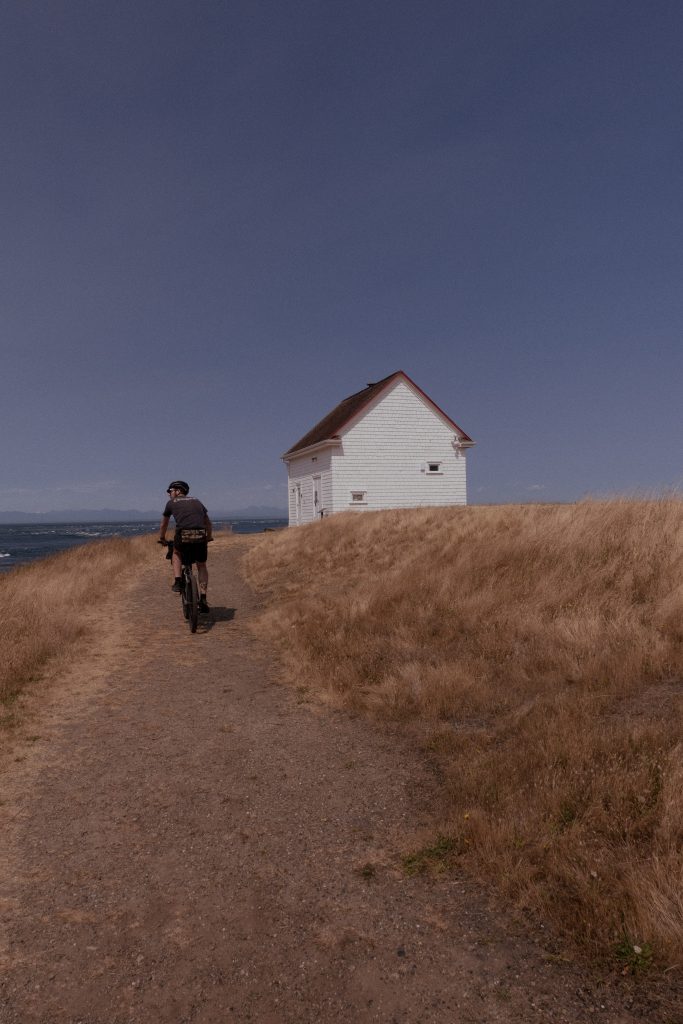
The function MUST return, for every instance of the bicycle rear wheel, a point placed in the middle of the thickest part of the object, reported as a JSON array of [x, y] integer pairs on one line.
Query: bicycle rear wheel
[[193, 603], [185, 595]]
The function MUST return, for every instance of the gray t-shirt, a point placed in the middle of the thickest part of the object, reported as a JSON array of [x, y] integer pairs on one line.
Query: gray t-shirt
[[188, 512]]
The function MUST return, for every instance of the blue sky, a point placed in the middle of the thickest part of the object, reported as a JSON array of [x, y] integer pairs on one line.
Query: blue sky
[[220, 218]]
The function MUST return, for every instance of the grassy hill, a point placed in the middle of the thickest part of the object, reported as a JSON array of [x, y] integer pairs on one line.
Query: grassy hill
[[46, 608], [537, 652]]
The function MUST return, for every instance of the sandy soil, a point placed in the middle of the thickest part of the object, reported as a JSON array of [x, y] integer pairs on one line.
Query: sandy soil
[[185, 840]]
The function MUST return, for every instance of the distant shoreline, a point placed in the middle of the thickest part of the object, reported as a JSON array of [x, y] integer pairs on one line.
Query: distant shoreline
[[26, 543], [123, 522], [109, 516]]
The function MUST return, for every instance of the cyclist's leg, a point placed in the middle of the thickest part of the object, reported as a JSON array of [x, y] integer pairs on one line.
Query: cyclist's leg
[[177, 563], [200, 556]]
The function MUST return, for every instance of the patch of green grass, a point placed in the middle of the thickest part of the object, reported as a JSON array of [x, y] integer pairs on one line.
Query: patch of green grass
[[434, 858], [636, 957]]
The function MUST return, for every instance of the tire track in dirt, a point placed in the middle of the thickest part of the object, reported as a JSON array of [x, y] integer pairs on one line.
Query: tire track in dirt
[[185, 843]]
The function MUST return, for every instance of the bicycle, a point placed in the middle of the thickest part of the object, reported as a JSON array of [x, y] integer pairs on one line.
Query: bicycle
[[189, 595]]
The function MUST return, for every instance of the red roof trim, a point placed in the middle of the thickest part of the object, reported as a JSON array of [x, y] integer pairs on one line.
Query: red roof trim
[[349, 408]]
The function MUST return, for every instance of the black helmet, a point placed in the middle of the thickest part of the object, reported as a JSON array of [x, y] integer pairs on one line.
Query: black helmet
[[178, 485]]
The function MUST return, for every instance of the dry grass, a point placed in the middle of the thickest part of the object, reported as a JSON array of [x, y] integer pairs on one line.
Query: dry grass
[[538, 651], [47, 605]]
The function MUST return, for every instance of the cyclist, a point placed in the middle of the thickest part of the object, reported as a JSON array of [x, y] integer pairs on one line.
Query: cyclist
[[193, 524]]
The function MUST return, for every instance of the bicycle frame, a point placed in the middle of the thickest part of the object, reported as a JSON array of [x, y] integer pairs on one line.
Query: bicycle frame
[[190, 596]]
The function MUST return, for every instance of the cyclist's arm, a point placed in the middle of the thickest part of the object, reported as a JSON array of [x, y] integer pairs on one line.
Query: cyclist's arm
[[209, 528], [165, 520]]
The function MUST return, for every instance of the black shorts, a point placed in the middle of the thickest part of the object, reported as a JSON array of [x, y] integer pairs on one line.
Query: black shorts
[[190, 553]]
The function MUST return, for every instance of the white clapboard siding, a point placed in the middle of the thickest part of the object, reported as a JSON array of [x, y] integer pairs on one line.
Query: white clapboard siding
[[382, 452], [386, 451]]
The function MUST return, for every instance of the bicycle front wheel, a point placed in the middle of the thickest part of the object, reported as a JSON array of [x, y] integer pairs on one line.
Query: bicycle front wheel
[[193, 603]]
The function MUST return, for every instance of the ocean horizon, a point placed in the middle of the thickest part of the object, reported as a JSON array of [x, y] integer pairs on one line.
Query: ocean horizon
[[22, 543]]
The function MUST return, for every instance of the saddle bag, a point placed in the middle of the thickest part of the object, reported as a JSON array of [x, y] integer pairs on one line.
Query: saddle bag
[[196, 536]]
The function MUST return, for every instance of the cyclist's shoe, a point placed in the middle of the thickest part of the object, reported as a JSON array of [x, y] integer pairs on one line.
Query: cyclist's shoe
[[177, 587], [203, 606]]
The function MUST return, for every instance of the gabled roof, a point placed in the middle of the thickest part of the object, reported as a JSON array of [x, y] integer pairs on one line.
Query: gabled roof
[[328, 428]]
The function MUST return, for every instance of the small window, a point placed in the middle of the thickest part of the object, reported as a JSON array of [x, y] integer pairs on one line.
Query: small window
[[357, 497], [434, 467]]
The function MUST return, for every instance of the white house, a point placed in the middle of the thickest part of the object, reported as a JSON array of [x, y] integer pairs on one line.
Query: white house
[[388, 446]]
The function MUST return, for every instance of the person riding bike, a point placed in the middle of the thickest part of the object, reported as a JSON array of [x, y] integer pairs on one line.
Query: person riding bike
[[193, 530]]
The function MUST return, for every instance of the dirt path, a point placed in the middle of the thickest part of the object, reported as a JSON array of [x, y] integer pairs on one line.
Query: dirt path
[[184, 841]]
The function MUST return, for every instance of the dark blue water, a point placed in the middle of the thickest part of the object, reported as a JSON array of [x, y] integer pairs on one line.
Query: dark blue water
[[28, 542]]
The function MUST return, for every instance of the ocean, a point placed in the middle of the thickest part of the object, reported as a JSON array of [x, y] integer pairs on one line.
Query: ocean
[[28, 542]]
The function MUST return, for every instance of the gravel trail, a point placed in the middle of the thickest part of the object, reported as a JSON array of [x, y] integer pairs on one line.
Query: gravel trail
[[184, 840]]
